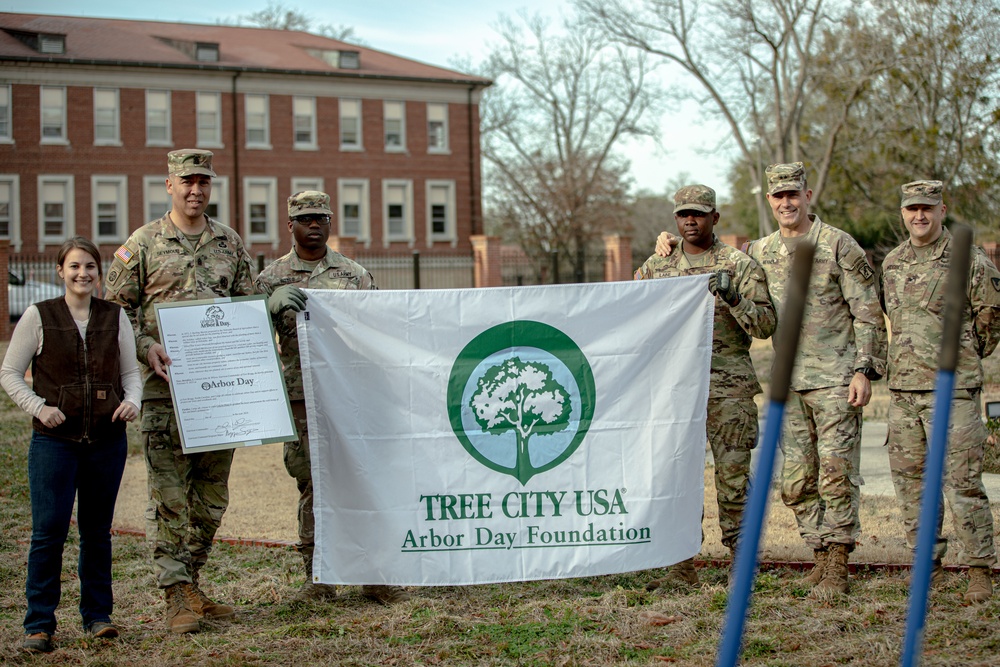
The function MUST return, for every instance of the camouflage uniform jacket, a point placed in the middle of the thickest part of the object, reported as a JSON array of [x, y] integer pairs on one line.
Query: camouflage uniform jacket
[[333, 272], [843, 329], [157, 264], [733, 375], [913, 292]]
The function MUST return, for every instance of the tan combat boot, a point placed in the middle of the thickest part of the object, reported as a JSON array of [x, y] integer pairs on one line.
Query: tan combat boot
[[816, 573], [834, 573], [179, 617], [679, 575], [385, 594], [980, 585], [311, 592], [204, 606]]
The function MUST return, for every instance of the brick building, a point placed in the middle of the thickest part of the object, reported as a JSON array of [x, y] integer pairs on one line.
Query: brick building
[[90, 107]]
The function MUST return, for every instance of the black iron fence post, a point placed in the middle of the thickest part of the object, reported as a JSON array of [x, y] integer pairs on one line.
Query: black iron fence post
[[416, 269], [555, 267]]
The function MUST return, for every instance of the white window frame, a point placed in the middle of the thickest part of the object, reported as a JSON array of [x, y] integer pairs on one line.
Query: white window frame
[[391, 107], [450, 234], [360, 146], [407, 235], [303, 183], [202, 139], [120, 183], [13, 181], [157, 185], [6, 114], [63, 137], [440, 111], [69, 210], [313, 143], [265, 143], [270, 234], [116, 138], [364, 209], [220, 197], [167, 140]]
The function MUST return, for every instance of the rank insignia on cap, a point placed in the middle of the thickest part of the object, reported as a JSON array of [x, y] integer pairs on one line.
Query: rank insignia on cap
[[124, 254]]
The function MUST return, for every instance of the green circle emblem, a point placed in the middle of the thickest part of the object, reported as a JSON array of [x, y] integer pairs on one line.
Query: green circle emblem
[[521, 398]]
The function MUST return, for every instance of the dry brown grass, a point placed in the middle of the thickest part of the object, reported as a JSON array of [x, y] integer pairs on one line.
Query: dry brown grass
[[589, 621]]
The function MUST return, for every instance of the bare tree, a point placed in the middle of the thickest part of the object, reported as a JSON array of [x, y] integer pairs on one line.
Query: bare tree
[[757, 63], [560, 105], [277, 16]]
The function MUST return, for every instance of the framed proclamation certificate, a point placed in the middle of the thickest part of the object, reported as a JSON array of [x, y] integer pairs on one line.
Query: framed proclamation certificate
[[225, 375]]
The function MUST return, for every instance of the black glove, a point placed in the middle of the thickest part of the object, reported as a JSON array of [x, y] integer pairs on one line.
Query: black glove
[[285, 297], [721, 284]]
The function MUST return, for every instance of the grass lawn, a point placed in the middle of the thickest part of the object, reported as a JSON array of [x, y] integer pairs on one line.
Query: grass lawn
[[588, 621]]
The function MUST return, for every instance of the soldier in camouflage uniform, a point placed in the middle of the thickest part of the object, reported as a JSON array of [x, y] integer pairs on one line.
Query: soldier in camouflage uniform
[[314, 265], [842, 350], [183, 255], [742, 310], [914, 276]]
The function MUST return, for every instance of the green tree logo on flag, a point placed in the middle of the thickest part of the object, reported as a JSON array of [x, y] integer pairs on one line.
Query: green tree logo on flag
[[521, 398]]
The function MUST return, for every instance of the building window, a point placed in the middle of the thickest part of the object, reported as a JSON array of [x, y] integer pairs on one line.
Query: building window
[[109, 208], [352, 211], [218, 205], [157, 117], [10, 214], [304, 118], [261, 209], [303, 184], [258, 121], [53, 115], [209, 110], [350, 125], [395, 126], [106, 117], [441, 211], [206, 52], [52, 44], [156, 201], [437, 128], [6, 133], [350, 60], [397, 211], [55, 210]]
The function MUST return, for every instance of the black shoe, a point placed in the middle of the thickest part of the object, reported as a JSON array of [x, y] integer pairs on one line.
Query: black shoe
[[40, 642], [103, 629]]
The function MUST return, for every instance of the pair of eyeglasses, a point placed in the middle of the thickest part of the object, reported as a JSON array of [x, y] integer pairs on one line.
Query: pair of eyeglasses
[[307, 220]]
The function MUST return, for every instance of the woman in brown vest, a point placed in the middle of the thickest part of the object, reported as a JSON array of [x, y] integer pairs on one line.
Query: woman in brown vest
[[85, 386]]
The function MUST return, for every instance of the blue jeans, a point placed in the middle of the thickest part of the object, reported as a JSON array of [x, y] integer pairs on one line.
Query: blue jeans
[[58, 470]]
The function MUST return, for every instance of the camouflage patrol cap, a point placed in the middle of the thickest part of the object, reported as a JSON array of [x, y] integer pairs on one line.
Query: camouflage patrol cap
[[189, 161], [309, 202], [922, 192], [785, 177], [695, 198]]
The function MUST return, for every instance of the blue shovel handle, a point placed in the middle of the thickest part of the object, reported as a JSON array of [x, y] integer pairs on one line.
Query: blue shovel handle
[[930, 501], [785, 348]]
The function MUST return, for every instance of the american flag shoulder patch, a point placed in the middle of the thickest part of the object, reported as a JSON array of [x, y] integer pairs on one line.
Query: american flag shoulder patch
[[124, 254]]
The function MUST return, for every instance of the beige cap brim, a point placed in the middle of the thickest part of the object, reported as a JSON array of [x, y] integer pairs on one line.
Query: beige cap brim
[[917, 199], [693, 207]]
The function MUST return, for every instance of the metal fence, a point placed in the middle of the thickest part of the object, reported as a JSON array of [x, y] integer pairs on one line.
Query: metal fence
[[517, 268], [414, 271]]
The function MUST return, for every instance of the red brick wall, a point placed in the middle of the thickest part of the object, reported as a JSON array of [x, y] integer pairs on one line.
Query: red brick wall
[[82, 159]]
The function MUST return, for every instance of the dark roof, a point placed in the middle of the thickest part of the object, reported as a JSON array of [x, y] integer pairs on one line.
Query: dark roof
[[125, 42]]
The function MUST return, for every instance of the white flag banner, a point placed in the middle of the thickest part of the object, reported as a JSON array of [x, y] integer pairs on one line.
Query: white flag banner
[[506, 434]]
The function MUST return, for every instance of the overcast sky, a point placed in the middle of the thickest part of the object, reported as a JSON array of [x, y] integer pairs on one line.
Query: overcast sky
[[437, 32]]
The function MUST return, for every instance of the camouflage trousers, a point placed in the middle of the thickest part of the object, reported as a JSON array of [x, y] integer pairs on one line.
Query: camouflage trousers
[[732, 433], [299, 466], [820, 472], [188, 494], [909, 433]]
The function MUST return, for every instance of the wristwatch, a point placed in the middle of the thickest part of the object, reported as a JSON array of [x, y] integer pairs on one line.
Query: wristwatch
[[868, 373]]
